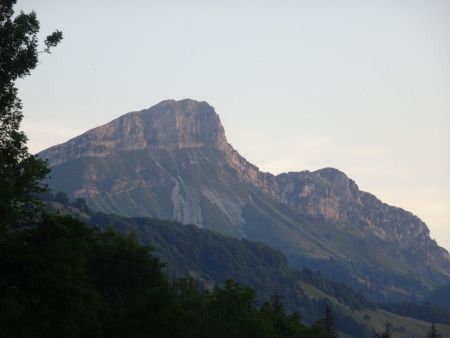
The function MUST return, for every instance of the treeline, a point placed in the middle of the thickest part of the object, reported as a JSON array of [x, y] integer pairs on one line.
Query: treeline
[[212, 258], [425, 311], [64, 279], [344, 294]]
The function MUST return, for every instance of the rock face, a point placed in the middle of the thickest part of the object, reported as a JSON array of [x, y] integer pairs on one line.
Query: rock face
[[173, 161], [329, 194], [169, 125]]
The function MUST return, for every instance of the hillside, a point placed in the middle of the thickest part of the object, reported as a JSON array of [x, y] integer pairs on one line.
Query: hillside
[[440, 296], [211, 258]]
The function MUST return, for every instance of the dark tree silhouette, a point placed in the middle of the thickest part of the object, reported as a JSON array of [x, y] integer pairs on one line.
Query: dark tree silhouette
[[433, 333], [62, 198], [20, 172], [328, 323], [387, 331]]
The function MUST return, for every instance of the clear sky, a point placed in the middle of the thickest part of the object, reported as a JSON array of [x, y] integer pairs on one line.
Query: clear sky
[[363, 86]]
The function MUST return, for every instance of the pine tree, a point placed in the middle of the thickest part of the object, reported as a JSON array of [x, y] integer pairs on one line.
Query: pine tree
[[433, 333], [328, 323], [387, 331]]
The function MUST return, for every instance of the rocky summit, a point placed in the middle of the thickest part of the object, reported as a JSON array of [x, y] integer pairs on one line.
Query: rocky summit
[[172, 161]]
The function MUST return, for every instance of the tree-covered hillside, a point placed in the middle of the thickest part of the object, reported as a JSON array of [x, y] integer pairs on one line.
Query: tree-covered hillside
[[210, 258], [63, 279]]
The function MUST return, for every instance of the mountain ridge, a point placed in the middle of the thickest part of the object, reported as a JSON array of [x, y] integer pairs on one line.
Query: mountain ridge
[[173, 161]]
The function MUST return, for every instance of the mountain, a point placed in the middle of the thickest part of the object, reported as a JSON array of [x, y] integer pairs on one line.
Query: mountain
[[172, 161]]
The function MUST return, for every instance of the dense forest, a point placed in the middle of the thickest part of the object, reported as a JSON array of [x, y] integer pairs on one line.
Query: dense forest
[[69, 280], [213, 258]]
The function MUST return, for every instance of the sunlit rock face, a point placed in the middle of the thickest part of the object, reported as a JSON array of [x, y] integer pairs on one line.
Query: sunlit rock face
[[173, 161], [169, 125]]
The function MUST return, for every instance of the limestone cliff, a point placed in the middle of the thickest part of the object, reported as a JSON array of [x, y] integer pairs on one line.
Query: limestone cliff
[[328, 193]]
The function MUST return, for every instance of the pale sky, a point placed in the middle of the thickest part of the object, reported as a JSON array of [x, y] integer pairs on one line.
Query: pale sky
[[362, 86]]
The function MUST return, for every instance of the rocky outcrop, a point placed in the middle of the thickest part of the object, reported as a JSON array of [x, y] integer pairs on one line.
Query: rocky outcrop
[[169, 125], [329, 194]]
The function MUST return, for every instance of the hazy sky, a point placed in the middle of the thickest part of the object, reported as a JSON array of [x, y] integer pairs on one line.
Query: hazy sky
[[363, 86]]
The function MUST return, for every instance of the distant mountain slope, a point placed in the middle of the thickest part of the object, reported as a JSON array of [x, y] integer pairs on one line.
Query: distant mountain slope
[[172, 161], [440, 296], [211, 258]]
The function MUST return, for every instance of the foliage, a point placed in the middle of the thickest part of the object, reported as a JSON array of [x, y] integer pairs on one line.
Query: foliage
[[328, 323], [211, 258], [340, 291], [44, 289], [20, 172], [62, 198], [433, 333], [425, 311], [386, 333], [63, 279]]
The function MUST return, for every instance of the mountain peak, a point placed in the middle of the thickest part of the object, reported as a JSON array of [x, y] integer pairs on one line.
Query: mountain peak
[[181, 124], [169, 125], [184, 104]]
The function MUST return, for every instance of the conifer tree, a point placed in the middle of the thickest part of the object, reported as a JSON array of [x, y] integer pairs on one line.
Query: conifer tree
[[433, 333], [387, 331], [329, 324]]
